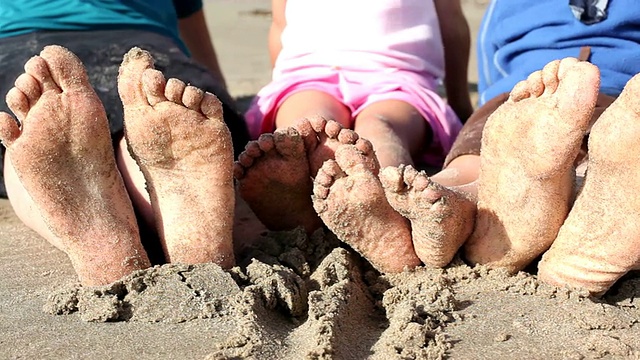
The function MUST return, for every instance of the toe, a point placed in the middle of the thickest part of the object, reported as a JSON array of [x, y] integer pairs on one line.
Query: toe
[[391, 179], [37, 67], [565, 65], [347, 136], [288, 143], [238, 170], [134, 64], [9, 130], [153, 84], [18, 103], [211, 107], [350, 159], [535, 84], [333, 129], [323, 181], [65, 67], [266, 142], [309, 135], [174, 90], [550, 77], [410, 175], [29, 87], [578, 89], [520, 91], [192, 97], [318, 123]]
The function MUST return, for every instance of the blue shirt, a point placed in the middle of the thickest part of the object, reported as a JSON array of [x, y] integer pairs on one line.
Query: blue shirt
[[161, 16], [518, 37]]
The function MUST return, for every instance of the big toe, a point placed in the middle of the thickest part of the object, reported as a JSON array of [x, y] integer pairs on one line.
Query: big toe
[[65, 68], [133, 66], [352, 159], [578, 85]]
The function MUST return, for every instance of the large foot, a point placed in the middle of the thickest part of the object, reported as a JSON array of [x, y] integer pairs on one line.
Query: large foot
[[528, 148], [177, 136], [441, 219], [275, 172], [64, 159], [600, 239], [349, 198]]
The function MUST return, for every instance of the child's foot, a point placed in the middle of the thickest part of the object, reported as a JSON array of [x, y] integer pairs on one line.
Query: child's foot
[[177, 136], [64, 158], [441, 219], [274, 172], [323, 137], [350, 200], [528, 148], [600, 239]]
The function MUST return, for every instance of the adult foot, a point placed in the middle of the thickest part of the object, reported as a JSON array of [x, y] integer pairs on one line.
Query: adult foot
[[441, 219], [64, 159], [177, 136], [528, 148], [275, 172], [350, 199], [600, 239]]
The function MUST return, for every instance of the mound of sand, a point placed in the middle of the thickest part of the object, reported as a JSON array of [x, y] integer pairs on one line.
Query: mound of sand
[[295, 297]]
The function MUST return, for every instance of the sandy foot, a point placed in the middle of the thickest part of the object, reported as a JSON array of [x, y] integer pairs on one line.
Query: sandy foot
[[441, 219], [350, 199], [64, 158], [600, 240], [275, 172], [526, 178], [183, 147]]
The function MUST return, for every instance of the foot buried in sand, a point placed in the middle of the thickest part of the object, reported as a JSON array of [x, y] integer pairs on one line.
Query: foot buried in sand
[[275, 172], [600, 240], [350, 199], [63, 156], [528, 148], [177, 136], [441, 219]]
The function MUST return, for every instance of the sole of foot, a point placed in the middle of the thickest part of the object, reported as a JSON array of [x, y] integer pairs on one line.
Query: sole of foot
[[600, 239], [441, 219], [177, 135], [350, 199], [64, 159], [528, 148]]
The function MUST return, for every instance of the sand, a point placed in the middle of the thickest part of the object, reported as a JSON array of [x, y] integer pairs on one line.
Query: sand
[[293, 296]]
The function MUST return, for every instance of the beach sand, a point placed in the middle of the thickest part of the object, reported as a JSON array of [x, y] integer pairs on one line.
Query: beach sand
[[293, 296]]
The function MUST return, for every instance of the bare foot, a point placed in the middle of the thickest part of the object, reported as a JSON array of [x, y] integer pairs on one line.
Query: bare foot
[[178, 138], [275, 172], [526, 177], [441, 219], [64, 158], [349, 198], [600, 239]]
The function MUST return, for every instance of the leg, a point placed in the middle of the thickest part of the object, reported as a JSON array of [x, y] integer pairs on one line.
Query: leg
[[183, 147], [350, 200], [308, 104], [395, 128], [600, 240], [528, 148], [61, 172], [274, 173], [135, 183]]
